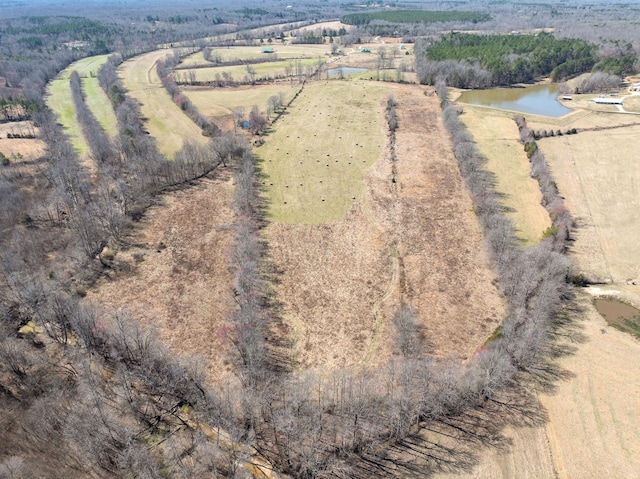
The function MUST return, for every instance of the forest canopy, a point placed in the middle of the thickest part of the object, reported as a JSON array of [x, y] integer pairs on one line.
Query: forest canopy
[[414, 16], [511, 58]]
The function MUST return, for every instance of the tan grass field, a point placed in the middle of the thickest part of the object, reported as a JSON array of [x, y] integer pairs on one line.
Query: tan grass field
[[182, 287], [267, 70], [497, 138], [343, 270], [30, 149], [592, 418], [280, 50], [221, 102], [166, 123], [596, 171]]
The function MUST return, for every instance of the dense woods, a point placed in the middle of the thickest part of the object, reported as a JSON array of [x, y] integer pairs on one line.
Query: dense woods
[[414, 16], [466, 60]]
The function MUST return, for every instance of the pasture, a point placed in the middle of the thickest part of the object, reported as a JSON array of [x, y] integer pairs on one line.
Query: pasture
[[497, 138], [315, 159], [221, 102], [262, 71], [592, 427], [60, 101], [595, 170], [12, 148], [345, 264], [166, 123], [280, 51]]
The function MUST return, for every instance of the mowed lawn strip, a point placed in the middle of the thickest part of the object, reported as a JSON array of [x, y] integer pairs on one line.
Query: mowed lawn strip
[[166, 123], [60, 101], [223, 101], [100, 105], [496, 136], [315, 160]]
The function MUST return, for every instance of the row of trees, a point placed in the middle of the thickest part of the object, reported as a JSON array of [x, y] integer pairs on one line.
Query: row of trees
[[562, 222], [165, 71], [98, 141]]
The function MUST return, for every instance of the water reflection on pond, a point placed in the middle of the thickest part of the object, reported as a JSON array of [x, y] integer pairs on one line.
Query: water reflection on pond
[[342, 71], [619, 315], [533, 99]]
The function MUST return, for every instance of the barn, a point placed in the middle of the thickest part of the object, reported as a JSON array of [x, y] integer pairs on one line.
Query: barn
[[601, 100]]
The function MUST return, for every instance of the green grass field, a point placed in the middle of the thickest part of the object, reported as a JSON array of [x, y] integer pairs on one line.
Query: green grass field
[[223, 101], [166, 123], [247, 53], [496, 137], [262, 70], [315, 160], [60, 101]]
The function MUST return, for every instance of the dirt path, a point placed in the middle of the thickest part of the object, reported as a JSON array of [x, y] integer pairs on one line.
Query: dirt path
[[165, 121]]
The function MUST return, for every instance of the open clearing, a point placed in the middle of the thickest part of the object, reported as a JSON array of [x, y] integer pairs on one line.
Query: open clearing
[[497, 138], [60, 101], [344, 266], [281, 51], [263, 71], [593, 423], [29, 148], [221, 102], [182, 285], [315, 161], [166, 123], [598, 174]]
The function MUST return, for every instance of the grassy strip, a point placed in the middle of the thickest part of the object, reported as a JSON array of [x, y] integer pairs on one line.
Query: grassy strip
[[60, 101], [497, 139], [267, 70], [315, 176], [100, 106]]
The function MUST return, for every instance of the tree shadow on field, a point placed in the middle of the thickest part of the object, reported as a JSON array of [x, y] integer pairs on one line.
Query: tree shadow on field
[[455, 445], [277, 334]]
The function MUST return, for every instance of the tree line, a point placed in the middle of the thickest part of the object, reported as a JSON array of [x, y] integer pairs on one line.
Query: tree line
[[165, 69], [467, 60]]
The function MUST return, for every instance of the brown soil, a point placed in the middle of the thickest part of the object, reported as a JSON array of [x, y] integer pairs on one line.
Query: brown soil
[[339, 283], [183, 285]]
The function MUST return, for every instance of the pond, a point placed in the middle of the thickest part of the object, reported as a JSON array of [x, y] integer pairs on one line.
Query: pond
[[533, 99], [342, 71], [619, 315]]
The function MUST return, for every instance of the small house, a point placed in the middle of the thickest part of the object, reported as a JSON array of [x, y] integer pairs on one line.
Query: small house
[[365, 50]]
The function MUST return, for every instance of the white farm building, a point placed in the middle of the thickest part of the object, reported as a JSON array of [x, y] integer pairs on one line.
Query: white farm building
[[607, 101]]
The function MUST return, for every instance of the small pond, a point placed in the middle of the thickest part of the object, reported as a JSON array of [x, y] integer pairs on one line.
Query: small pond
[[620, 315], [343, 71], [533, 99]]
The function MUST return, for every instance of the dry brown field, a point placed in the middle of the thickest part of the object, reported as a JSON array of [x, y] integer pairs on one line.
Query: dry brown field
[[592, 422], [180, 283], [30, 149], [166, 123], [416, 240]]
